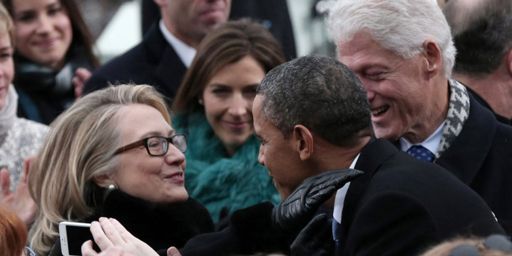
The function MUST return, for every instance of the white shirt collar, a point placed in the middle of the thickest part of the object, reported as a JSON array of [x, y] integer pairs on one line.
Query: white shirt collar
[[339, 200], [184, 51], [431, 143]]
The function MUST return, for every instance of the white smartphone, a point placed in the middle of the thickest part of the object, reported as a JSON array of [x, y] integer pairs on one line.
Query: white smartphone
[[72, 236]]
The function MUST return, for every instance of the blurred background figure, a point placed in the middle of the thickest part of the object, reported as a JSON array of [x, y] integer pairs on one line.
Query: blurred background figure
[[167, 49], [19, 138], [494, 245], [13, 235], [214, 108], [482, 33], [53, 56], [114, 154], [273, 14]]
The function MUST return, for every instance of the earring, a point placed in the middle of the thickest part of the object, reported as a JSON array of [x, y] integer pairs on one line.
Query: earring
[[200, 101], [112, 186]]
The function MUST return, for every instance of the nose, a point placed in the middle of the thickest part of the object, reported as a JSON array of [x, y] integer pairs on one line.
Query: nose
[[44, 24], [174, 156], [239, 106], [261, 158], [370, 95]]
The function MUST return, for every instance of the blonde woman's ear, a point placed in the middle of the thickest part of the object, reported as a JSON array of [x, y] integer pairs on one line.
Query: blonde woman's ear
[[104, 181]]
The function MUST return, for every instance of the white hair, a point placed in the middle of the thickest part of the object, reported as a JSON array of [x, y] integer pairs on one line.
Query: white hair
[[401, 26]]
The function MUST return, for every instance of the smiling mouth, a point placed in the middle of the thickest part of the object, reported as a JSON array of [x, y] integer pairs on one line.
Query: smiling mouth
[[46, 43], [178, 177], [236, 125], [379, 111]]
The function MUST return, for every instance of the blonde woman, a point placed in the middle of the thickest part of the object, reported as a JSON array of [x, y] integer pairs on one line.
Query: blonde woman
[[115, 154]]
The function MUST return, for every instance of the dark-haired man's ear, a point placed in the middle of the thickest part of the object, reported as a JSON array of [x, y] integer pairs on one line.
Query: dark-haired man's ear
[[508, 62], [303, 139], [433, 58]]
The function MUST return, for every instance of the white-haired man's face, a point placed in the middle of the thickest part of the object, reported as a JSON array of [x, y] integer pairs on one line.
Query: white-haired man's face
[[396, 87]]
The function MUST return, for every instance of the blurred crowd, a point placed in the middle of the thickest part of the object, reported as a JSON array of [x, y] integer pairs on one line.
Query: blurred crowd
[[212, 136]]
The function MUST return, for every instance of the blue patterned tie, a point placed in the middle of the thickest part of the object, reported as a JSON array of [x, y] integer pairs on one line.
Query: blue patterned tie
[[421, 153]]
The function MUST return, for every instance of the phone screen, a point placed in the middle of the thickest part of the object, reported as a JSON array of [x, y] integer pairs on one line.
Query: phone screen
[[76, 237], [73, 235]]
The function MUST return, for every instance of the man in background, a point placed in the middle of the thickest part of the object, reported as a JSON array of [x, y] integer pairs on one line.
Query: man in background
[[482, 33], [167, 49]]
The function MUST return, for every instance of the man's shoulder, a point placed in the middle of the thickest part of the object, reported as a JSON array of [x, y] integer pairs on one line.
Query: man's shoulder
[[484, 131], [134, 66]]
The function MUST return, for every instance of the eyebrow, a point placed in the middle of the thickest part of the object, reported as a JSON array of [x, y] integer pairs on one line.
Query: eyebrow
[[156, 133]]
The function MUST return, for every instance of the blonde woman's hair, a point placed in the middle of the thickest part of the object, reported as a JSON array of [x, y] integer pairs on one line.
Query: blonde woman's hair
[[80, 146]]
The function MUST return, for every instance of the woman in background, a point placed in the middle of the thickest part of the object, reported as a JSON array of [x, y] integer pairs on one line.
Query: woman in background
[[113, 153], [20, 139], [213, 107], [53, 56]]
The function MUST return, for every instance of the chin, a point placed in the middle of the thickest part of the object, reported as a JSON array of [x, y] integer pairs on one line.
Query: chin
[[385, 134], [175, 196]]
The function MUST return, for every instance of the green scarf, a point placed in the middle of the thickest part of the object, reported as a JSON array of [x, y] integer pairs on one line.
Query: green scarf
[[219, 181]]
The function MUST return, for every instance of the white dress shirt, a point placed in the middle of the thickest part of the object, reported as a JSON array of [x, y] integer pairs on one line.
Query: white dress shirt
[[431, 143], [184, 51]]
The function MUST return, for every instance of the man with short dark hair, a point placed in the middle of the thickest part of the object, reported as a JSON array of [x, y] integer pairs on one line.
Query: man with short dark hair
[[482, 33], [399, 206]]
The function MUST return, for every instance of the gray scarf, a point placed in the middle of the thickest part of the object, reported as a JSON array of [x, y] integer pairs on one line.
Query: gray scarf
[[8, 113], [458, 113]]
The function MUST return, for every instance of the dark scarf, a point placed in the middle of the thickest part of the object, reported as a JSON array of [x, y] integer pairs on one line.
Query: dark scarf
[[44, 92], [159, 225]]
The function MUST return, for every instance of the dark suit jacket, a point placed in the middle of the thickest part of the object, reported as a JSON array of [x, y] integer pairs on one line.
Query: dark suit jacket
[[273, 14], [481, 156], [153, 62], [400, 206]]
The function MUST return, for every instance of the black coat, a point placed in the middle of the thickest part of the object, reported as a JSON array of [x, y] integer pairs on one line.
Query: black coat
[[481, 156], [400, 206], [153, 61]]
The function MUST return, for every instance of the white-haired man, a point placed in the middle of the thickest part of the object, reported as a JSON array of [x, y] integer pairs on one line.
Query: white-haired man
[[402, 51]]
